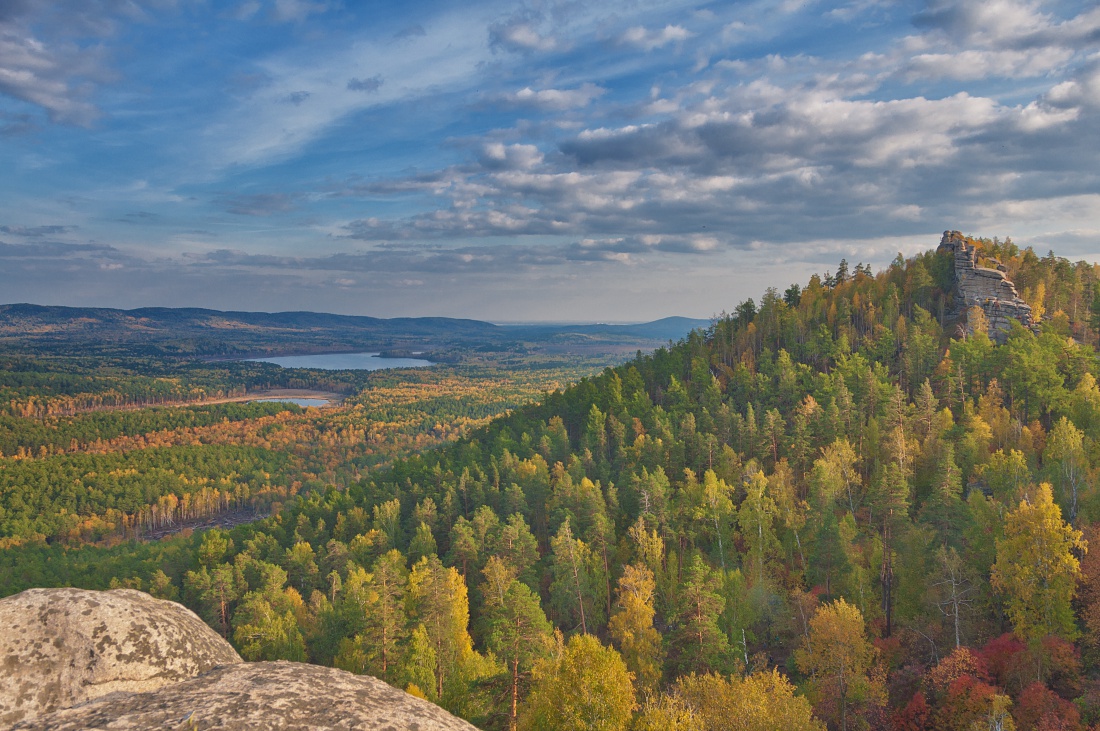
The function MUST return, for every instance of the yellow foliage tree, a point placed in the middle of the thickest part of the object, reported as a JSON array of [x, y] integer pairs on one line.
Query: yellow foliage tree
[[1038, 302], [1036, 571], [631, 627], [437, 596], [586, 687], [668, 713], [840, 660], [760, 702]]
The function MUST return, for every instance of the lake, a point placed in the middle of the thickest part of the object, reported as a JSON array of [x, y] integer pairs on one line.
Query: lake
[[345, 362]]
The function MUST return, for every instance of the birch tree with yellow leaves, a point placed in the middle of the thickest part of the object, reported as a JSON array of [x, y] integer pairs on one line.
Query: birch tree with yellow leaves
[[1036, 570]]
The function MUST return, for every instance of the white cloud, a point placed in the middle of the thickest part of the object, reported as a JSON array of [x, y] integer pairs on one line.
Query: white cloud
[[557, 99], [974, 64], [515, 157], [55, 76], [521, 36], [653, 39], [972, 42]]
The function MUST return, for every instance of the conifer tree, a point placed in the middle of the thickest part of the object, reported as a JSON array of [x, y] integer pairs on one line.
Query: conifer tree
[[516, 629], [698, 643]]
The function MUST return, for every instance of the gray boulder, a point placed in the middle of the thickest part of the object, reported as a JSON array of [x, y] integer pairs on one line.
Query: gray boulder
[[61, 647], [260, 696]]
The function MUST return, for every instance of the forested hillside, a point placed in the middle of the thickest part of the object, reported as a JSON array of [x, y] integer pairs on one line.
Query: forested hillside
[[836, 508]]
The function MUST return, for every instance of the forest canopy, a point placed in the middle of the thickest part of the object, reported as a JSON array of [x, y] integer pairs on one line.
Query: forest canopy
[[833, 506]]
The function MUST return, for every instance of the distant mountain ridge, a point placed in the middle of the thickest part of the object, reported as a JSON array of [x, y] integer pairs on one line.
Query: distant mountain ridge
[[667, 328], [195, 331], [204, 318]]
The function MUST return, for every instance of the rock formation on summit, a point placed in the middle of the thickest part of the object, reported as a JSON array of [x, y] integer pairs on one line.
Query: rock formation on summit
[[61, 647], [75, 659], [989, 289], [260, 695]]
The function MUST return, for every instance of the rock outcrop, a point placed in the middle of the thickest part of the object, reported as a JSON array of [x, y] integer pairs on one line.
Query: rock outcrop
[[75, 659], [989, 289], [257, 696], [61, 647]]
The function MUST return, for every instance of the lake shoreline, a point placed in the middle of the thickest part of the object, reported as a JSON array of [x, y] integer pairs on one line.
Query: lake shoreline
[[360, 361]]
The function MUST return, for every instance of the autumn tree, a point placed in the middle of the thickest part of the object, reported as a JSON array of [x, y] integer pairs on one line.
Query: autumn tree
[[839, 660], [266, 628], [665, 712], [1036, 569], [438, 598], [756, 520], [762, 701], [1065, 457], [584, 687], [835, 477], [631, 627]]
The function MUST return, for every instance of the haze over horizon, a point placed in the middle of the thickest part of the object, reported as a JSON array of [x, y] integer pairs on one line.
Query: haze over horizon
[[527, 161]]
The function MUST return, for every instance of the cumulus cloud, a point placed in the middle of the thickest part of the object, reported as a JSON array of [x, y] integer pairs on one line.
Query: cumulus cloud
[[996, 38], [53, 251], [399, 259], [653, 39], [497, 155], [556, 99], [764, 150], [763, 161], [586, 155], [973, 64]]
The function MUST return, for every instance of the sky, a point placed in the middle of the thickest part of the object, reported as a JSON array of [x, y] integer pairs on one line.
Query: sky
[[555, 161]]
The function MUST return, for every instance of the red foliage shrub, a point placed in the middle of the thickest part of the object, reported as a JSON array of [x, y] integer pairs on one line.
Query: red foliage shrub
[[1061, 664], [966, 701], [1002, 657], [1040, 709], [916, 716]]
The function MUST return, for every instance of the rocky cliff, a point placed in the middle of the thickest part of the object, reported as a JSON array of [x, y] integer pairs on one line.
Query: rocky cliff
[[989, 289], [74, 659]]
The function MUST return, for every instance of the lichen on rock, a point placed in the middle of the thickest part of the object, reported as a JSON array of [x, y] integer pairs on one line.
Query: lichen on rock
[[74, 659], [61, 647], [260, 695]]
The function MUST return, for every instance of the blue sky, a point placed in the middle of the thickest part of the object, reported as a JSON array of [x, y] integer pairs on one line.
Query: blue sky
[[527, 161]]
